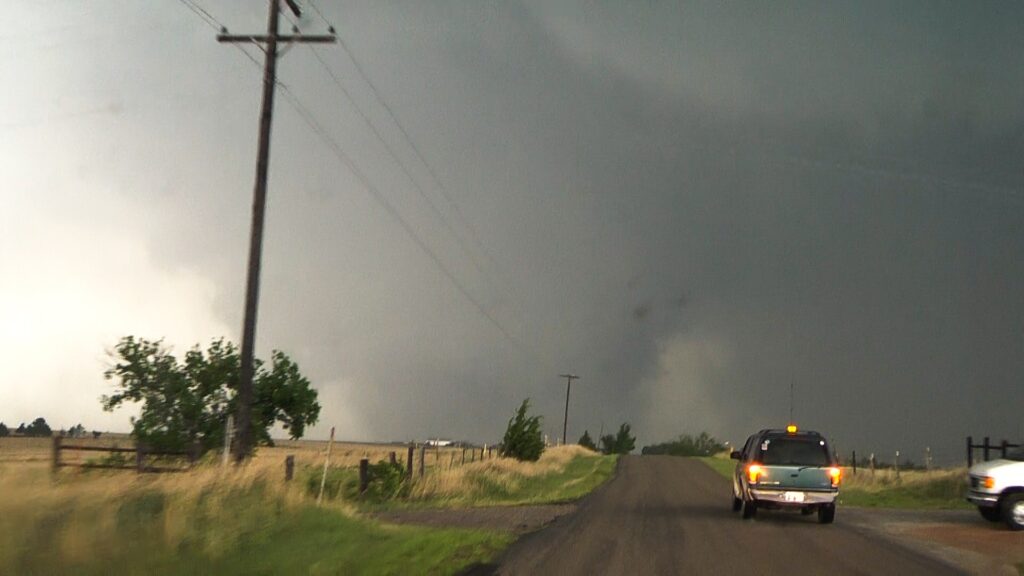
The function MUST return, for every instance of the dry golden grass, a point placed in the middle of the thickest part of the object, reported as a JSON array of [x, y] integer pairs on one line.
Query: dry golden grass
[[884, 479], [503, 474]]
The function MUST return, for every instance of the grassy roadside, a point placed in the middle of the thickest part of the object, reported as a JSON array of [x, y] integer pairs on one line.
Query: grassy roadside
[[208, 523], [562, 474], [915, 489], [248, 521]]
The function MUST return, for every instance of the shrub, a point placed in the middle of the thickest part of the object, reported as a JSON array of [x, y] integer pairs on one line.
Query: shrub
[[523, 439], [587, 442], [621, 443]]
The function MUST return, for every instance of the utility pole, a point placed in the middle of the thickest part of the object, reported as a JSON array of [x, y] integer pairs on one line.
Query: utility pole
[[269, 41], [565, 423]]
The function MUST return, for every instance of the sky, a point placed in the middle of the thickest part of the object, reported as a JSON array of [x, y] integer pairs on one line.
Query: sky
[[697, 207]]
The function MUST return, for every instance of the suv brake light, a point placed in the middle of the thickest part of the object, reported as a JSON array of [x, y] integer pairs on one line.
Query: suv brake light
[[836, 474], [754, 472]]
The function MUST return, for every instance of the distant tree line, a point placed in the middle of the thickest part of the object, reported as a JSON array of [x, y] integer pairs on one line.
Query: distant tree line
[[622, 442], [38, 428], [686, 445]]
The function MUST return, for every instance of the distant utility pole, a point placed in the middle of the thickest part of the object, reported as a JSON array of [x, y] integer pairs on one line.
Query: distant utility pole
[[565, 423], [270, 40]]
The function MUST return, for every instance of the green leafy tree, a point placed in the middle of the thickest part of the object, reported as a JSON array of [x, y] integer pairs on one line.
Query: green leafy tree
[[523, 439], [587, 442], [38, 428], [621, 443], [186, 403], [4, 431], [701, 445]]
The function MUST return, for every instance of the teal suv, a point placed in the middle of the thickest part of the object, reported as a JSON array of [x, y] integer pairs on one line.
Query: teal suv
[[786, 469]]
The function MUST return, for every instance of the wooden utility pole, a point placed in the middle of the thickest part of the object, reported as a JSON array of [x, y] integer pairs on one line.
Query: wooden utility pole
[[565, 423], [269, 41]]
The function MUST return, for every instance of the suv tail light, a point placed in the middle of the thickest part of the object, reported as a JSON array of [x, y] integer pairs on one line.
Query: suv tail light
[[754, 472], [836, 474]]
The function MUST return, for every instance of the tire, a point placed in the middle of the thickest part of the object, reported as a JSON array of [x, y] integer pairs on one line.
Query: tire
[[992, 514], [737, 504], [826, 513], [1013, 511], [749, 509]]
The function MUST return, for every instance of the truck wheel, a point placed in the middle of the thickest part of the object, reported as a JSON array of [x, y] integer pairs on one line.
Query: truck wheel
[[749, 509], [736, 504], [826, 513], [992, 514], [1013, 511]]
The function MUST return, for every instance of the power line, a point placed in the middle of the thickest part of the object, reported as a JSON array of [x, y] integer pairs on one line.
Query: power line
[[408, 173], [307, 116], [203, 14], [412, 144], [375, 193]]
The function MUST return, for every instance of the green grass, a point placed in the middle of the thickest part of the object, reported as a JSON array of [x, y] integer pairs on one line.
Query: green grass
[[483, 487], [579, 478], [250, 531], [723, 466], [939, 490]]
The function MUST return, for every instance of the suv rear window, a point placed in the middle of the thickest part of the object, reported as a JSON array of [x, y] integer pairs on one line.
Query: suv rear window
[[793, 452]]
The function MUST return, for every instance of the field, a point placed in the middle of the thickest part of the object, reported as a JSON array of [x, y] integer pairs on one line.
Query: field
[[249, 520], [917, 489]]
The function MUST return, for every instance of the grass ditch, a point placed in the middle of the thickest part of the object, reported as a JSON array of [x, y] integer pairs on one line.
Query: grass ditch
[[914, 489], [92, 523], [249, 521], [562, 474]]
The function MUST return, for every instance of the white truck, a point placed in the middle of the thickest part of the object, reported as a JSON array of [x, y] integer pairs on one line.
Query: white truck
[[997, 489]]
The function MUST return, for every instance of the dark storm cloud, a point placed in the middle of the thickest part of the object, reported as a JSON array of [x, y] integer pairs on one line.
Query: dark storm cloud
[[836, 194], [693, 206]]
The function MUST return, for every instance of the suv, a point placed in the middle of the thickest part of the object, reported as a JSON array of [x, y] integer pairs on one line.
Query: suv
[[997, 489], [786, 469]]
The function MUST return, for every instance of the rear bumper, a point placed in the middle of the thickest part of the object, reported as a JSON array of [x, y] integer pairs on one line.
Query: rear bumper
[[983, 499], [779, 497]]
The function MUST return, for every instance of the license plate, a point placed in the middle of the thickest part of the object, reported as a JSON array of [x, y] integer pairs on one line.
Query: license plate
[[793, 496]]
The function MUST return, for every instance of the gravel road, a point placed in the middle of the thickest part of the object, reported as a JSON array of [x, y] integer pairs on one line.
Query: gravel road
[[666, 515]]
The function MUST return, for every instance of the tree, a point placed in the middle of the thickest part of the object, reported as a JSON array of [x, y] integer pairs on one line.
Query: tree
[[4, 431], [38, 428], [523, 439], [21, 429], [702, 445], [186, 404], [587, 442], [621, 443]]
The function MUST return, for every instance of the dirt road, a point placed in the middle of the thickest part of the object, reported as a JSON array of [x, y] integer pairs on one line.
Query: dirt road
[[665, 515]]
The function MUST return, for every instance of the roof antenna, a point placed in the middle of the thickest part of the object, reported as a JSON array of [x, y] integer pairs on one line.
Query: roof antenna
[[790, 401]]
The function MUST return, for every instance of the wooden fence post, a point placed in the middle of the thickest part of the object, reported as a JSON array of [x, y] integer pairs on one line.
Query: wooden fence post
[[871, 463], [897, 464], [451, 461], [1002, 449], [327, 461], [140, 457], [854, 462], [984, 449], [364, 475], [463, 455], [970, 452], [423, 459], [56, 453], [408, 469], [394, 458], [289, 467]]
